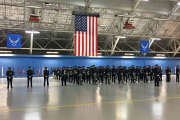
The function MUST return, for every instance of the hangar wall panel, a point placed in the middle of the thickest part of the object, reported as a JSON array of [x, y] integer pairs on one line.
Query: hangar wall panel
[[38, 62]]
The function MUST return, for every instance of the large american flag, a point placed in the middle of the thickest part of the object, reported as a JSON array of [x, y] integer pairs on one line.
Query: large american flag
[[85, 35]]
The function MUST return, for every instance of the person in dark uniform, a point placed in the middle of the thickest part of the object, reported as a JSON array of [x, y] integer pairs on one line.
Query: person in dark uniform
[[145, 74], [9, 74], [120, 74], [125, 74], [177, 73], [59, 73], [168, 74], [151, 73], [107, 75], [88, 75], [71, 74], [64, 76], [160, 73], [29, 76], [101, 74], [132, 74], [156, 72], [113, 74], [46, 76]]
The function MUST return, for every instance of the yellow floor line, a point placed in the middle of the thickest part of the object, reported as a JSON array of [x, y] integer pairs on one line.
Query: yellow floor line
[[88, 104]]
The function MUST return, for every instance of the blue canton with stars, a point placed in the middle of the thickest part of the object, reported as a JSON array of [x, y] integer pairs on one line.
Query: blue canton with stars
[[81, 23]]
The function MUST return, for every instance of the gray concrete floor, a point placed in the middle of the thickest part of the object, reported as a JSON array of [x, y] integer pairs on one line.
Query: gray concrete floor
[[112, 102]]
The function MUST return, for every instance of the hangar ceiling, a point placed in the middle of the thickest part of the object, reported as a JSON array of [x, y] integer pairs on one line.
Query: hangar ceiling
[[152, 19]]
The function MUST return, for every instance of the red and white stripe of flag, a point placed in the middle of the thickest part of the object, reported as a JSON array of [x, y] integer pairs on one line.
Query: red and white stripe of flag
[[86, 42]]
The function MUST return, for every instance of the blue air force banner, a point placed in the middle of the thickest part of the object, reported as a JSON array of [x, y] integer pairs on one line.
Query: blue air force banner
[[14, 40], [144, 46]]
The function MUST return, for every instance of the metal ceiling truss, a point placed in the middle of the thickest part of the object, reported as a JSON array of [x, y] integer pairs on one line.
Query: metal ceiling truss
[[57, 18]]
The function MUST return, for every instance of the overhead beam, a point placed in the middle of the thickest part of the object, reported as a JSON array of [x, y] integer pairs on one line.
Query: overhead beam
[[151, 42], [136, 4], [39, 49], [115, 44], [176, 51]]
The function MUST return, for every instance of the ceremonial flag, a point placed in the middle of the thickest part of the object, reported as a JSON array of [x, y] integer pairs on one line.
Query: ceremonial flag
[[14, 40], [23, 71], [144, 46], [85, 35], [42, 71], [39, 72], [18, 72]]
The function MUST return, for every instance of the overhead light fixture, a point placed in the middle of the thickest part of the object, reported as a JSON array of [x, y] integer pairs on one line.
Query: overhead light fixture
[[145, 0], [52, 52], [156, 38], [129, 54], [33, 6], [5, 51], [121, 37], [32, 31], [160, 55], [178, 3]]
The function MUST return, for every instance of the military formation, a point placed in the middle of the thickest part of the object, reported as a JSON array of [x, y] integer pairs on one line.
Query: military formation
[[100, 75]]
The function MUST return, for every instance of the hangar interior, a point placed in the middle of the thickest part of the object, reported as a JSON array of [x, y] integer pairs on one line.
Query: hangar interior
[[155, 20], [151, 19]]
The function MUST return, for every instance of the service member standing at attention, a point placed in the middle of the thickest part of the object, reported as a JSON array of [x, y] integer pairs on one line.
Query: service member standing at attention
[[156, 75], [177, 73], [9, 75], [168, 74], [29, 76], [46, 76]]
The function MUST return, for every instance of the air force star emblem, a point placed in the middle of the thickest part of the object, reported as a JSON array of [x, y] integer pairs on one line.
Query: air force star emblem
[[14, 40], [144, 46]]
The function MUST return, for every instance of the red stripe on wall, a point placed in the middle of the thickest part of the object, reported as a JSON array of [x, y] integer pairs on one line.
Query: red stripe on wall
[[75, 44], [96, 37], [82, 43], [93, 36], [79, 43], [89, 35]]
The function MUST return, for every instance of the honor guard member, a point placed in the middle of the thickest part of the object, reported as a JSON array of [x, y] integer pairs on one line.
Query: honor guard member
[[120, 74], [156, 75], [94, 75], [125, 74], [138, 74], [84, 74], [168, 74], [101, 74], [107, 75], [151, 73], [132, 71], [70, 74], [59, 73], [9, 74], [29, 76], [46, 76], [75, 72], [177, 73], [160, 73], [88, 75], [145, 74], [113, 74], [64, 76]]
